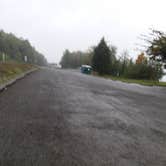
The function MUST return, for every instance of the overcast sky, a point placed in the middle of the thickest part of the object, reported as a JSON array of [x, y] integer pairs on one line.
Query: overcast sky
[[55, 25]]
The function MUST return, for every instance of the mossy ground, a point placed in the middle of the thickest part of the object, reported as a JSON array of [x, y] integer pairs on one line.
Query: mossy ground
[[10, 70]]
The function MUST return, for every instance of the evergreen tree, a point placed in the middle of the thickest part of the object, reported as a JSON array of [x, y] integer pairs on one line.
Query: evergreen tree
[[102, 58]]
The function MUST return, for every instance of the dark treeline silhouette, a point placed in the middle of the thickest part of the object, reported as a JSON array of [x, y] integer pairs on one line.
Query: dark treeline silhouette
[[76, 58], [104, 61], [103, 58], [16, 49]]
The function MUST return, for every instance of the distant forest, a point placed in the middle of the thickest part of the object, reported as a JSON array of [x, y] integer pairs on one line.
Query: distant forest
[[16, 49], [76, 58]]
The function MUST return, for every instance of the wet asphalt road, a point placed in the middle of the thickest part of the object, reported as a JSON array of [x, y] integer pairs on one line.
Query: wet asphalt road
[[64, 118]]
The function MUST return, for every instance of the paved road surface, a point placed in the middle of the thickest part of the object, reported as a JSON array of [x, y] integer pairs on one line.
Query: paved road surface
[[64, 118]]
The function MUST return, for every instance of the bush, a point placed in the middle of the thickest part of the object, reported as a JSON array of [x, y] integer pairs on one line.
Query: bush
[[144, 72]]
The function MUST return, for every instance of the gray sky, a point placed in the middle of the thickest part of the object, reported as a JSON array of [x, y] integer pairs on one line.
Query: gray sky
[[54, 25]]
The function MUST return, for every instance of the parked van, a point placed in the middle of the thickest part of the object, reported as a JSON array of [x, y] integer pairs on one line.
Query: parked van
[[86, 69]]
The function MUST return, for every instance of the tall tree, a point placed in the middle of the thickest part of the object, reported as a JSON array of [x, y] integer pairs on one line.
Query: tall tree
[[101, 59], [65, 61], [156, 48]]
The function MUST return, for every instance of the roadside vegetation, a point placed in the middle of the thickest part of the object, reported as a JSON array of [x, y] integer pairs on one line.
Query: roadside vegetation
[[17, 56], [19, 50], [9, 71], [147, 69], [135, 81]]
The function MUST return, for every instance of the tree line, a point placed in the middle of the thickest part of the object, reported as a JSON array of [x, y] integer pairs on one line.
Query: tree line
[[16, 49], [104, 60], [76, 58]]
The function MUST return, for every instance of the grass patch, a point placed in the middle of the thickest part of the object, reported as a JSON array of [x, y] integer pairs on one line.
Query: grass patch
[[10, 70], [141, 82]]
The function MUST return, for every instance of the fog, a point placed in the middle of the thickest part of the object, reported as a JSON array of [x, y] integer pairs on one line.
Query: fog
[[53, 26]]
